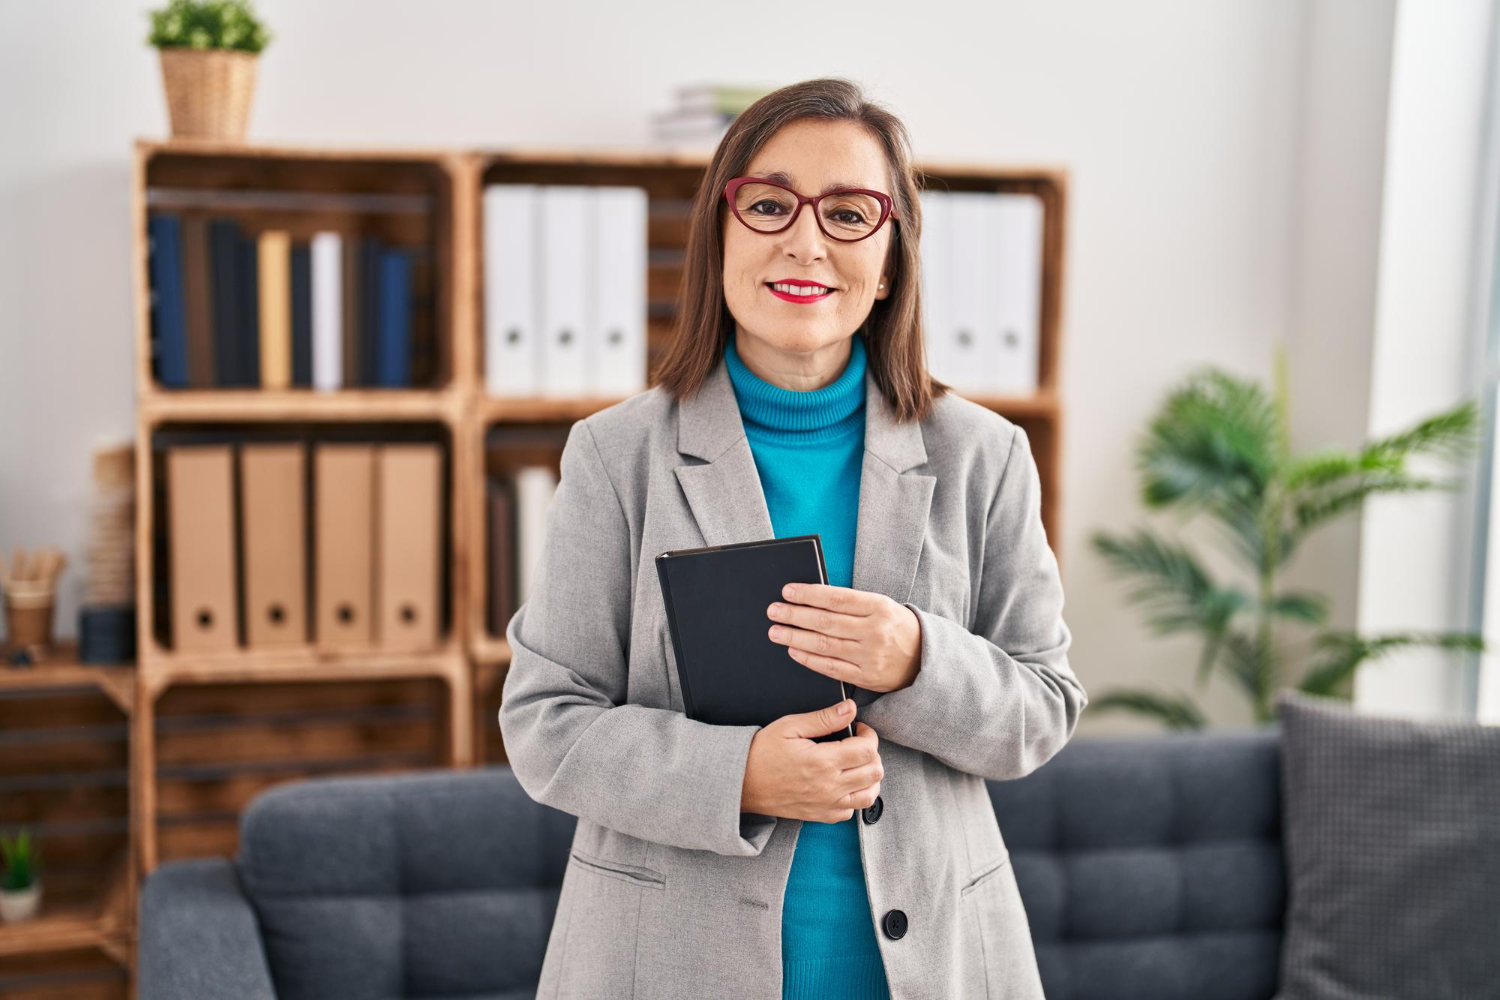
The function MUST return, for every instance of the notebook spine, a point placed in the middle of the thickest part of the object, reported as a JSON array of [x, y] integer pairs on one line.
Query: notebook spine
[[682, 680]]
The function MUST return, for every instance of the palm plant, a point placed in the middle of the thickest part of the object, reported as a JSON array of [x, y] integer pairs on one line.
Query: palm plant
[[1221, 447]]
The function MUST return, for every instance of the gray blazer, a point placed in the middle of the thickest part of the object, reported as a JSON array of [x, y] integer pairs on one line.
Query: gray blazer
[[670, 890]]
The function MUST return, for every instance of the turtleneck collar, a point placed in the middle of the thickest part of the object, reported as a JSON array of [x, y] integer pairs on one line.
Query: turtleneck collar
[[813, 413]]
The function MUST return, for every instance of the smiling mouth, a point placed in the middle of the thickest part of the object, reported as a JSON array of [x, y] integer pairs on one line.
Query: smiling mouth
[[799, 293]]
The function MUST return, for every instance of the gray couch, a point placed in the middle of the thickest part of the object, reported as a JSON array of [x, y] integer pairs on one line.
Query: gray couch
[[1151, 868]]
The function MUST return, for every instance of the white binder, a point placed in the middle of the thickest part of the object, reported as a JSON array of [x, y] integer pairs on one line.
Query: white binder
[[973, 272], [986, 371], [567, 288], [1020, 279], [937, 283], [617, 336], [536, 485], [512, 347], [326, 257]]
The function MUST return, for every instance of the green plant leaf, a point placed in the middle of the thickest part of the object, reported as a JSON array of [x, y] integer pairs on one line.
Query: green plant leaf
[[207, 24], [1301, 605], [1178, 592], [1175, 711], [1254, 665], [1214, 437], [1344, 652]]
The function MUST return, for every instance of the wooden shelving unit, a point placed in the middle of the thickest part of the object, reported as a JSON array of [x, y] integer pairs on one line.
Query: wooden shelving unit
[[208, 732], [255, 698], [63, 737]]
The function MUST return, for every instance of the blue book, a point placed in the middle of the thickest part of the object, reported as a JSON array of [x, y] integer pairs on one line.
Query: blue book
[[393, 316], [224, 286], [369, 306], [301, 290], [249, 316], [168, 303]]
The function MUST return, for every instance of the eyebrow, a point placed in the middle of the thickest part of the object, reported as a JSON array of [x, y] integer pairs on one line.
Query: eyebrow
[[782, 177]]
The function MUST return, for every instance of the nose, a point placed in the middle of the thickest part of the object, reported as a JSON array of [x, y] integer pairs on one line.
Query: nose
[[804, 240]]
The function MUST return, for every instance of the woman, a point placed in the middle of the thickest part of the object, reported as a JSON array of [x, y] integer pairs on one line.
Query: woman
[[744, 861]]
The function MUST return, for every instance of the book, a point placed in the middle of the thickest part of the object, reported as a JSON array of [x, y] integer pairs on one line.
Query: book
[[731, 672]]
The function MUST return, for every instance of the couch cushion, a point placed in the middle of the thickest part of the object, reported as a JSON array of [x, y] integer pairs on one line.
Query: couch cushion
[[1393, 854], [426, 884], [1150, 866]]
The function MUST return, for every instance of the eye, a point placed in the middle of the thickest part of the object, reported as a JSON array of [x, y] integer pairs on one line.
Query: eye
[[764, 201], [849, 211]]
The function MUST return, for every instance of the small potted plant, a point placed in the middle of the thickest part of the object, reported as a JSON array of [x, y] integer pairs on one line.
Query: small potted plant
[[209, 50], [20, 890]]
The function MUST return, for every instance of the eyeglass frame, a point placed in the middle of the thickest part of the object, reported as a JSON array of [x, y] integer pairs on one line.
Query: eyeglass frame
[[887, 207]]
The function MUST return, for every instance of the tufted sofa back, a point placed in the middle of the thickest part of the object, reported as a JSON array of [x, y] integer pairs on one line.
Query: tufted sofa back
[[431, 884], [1151, 866]]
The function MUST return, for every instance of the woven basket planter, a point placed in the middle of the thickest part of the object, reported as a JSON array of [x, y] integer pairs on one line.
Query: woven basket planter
[[208, 91]]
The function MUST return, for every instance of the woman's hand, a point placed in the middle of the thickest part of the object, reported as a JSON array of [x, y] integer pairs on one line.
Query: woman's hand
[[788, 774], [857, 636]]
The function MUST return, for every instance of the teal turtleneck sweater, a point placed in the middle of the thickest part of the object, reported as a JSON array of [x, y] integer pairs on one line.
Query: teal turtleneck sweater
[[809, 450]]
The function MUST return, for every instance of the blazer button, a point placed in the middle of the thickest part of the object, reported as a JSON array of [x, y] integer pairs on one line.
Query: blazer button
[[894, 924], [871, 812]]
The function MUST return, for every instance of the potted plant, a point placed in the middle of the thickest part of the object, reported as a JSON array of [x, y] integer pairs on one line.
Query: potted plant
[[20, 890], [209, 50], [1220, 446]]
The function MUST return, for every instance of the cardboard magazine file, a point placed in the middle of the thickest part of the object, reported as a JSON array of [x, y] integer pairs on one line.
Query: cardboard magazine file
[[273, 500], [343, 531], [408, 544], [200, 540]]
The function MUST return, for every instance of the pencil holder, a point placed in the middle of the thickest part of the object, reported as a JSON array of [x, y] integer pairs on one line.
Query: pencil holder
[[28, 616]]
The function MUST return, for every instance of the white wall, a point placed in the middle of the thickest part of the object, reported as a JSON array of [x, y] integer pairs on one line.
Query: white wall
[[1188, 129]]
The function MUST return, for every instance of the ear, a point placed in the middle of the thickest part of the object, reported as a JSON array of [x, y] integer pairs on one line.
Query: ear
[[883, 287]]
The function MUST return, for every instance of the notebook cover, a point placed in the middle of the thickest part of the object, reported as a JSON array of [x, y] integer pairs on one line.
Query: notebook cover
[[730, 670]]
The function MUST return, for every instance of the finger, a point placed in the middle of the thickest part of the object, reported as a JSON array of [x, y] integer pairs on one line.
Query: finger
[[860, 798], [854, 751], [862, 777], [843, 599], [802, 616], [814, 642]]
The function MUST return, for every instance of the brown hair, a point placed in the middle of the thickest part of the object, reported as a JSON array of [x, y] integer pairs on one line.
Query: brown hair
[[893, 329]]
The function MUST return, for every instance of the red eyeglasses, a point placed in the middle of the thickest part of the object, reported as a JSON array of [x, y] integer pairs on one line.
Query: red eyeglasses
[[847, 214]]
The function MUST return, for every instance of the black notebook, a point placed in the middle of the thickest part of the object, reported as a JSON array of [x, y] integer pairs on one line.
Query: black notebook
[[732, 673]]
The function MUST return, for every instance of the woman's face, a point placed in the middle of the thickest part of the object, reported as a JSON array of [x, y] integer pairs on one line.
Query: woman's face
[[804, 345]]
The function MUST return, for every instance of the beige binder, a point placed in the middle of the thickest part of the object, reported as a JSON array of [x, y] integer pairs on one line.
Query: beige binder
[[409, 545], [343, 485], [271, 504], [200, 524], [274, 279]]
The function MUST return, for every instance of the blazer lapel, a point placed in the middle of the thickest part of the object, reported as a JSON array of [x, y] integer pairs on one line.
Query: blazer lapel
[[729, 505]]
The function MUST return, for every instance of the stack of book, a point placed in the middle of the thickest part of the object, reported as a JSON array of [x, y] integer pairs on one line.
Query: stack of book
[[703, 112], [233, 308]]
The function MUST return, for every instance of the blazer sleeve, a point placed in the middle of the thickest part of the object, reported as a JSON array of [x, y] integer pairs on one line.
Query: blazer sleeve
[[1000, 700], [572, 739]]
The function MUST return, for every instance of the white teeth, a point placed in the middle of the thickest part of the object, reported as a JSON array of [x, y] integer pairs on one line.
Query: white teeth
[[800, 289]]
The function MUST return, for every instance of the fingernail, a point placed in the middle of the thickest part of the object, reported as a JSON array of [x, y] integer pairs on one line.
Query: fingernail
[[845, 707]]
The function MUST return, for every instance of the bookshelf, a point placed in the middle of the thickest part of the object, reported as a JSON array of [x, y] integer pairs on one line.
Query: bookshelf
[[64, 738], [209, 731]]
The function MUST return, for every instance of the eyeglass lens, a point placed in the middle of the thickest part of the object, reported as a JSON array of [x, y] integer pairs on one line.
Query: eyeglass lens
[[845, 215]]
